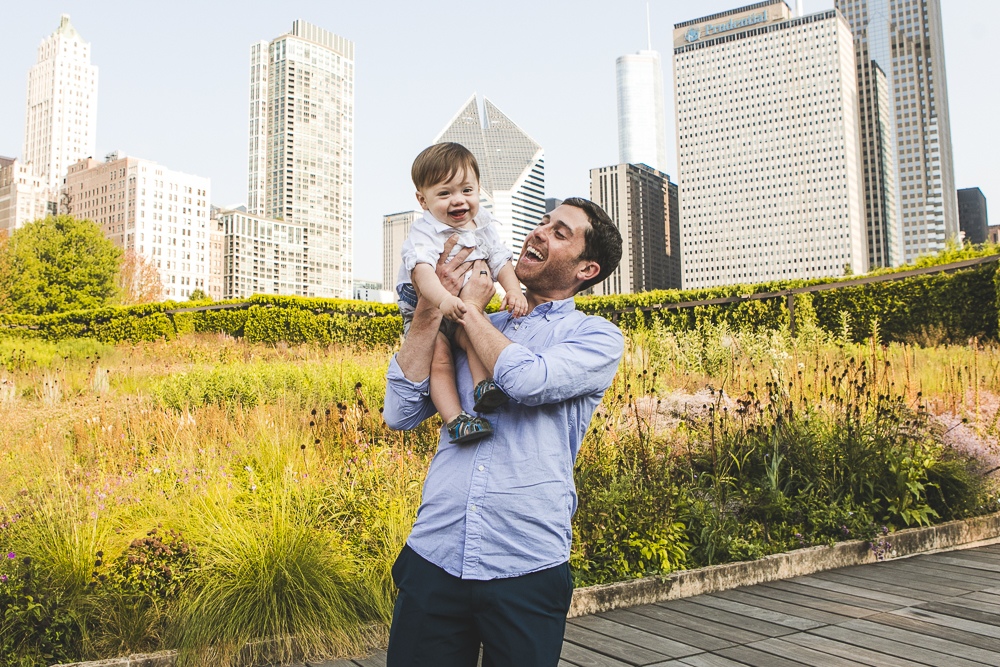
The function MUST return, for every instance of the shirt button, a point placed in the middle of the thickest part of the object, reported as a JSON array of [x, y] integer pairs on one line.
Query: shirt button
[[482, 467], [472, 507]]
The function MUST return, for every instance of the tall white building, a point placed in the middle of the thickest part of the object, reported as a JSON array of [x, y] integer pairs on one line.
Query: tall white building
[[642, 134], [23, 195], [60, 123], [395, 229], [511, 167], [903, 39], [301, 148], [158, 213], [768, 147]]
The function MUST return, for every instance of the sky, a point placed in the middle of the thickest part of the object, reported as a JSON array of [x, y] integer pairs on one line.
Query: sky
[[173, 83]]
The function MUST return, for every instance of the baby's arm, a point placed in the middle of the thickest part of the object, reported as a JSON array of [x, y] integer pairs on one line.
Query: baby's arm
[[426, 280], [513, 299]]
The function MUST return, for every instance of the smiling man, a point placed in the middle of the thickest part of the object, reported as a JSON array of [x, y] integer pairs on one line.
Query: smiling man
[[487, 560]]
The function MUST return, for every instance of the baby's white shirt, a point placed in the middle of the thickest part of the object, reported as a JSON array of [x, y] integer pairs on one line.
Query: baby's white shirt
[[427, 237]]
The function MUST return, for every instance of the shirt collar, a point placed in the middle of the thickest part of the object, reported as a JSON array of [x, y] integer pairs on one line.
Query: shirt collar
[[552, 309]]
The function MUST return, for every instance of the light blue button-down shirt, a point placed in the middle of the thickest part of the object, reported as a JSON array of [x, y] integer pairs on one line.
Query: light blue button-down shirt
[[501, 507]]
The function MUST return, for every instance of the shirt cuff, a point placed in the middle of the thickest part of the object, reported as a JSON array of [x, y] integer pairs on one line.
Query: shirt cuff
[[510, 362], [405, 388]]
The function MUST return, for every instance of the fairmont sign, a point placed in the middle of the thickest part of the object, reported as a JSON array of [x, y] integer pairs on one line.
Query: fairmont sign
[[709, 29]]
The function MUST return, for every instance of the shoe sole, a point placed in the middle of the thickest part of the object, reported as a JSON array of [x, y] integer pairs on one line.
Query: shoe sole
[[488, 404]]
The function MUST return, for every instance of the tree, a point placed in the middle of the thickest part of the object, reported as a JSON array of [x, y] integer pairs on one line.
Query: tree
[[199, 295], [138, 279], [4, 272], [60, 263]]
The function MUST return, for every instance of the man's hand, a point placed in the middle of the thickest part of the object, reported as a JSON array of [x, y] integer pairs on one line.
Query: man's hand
[[479, 290], [451, 272]]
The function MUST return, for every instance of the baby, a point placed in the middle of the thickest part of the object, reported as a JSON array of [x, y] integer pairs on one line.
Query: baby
[[447, 180]]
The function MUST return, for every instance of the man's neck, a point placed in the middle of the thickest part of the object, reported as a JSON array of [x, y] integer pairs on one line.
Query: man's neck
[[534, 300]]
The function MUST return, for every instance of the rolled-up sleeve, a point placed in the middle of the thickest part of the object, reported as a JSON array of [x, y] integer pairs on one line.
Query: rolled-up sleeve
[[578, 366], [497, 253], [407, 404]]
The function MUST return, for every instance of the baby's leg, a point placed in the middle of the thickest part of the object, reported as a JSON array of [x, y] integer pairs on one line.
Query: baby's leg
[[476, 367], [444, 391]]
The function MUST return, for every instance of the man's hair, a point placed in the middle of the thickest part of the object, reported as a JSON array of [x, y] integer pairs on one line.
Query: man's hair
[[602, 240], [440, 162]]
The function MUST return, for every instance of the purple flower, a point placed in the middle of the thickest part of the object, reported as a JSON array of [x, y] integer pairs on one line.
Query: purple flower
[[12, 555]]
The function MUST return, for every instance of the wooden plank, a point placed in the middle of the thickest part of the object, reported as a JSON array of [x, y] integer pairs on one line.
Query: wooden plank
[[807, 656], [709, 660], [934, 630], [945, 646], [972, 603], [734, 635], [759, 613], [971, 554], [833, 647], [811, 591], [756, 658], [376, 659], [611, 647], [749, 598], [864, 593], [931, 587], [728, 618], [947, 559], [948, 621], [625, 633], [883, 645], [958, 577], [581, 657], [331, 663], [809, 601], [961, 612], [687, 636]]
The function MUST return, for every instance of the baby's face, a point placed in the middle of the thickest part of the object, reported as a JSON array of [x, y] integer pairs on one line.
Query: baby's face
[[454, 202]]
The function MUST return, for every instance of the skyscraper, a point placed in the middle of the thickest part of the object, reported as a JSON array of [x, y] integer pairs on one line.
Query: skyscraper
[[60, 121], [642, 134], [395, 229], [511, 167], [642, 202], [768, 146], [23, 197], [972, 215], [904, 39], [301, 148]]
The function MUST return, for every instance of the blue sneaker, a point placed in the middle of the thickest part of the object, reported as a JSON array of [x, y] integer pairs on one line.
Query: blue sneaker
[[466, 428], [489, 396]]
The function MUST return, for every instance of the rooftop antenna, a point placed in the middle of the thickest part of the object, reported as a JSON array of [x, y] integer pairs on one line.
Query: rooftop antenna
[[649, 41]]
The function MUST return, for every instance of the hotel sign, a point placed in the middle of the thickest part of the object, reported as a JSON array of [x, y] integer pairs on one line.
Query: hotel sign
[[737, 23]]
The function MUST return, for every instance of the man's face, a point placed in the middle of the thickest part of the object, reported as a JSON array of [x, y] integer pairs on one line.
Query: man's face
[[550, 257], [454, 202]]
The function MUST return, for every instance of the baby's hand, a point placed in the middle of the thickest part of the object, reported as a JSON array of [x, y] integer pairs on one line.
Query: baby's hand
[[453, 308], [515, 303]]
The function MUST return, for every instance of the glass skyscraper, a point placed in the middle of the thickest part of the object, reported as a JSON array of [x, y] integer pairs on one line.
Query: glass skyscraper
[[642, 131], [511, 167], [903, 40], [301, 150]]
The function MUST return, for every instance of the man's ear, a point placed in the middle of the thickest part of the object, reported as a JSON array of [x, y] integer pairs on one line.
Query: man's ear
[[588, 271], [423, 202]]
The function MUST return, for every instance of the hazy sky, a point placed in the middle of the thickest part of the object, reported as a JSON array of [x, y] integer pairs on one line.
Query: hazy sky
[[173, 83]]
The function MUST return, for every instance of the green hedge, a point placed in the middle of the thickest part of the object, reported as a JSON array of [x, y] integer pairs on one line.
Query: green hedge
[[268, 319], [959, 305]]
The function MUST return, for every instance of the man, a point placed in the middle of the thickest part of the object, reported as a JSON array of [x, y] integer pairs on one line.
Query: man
[[487, 560]]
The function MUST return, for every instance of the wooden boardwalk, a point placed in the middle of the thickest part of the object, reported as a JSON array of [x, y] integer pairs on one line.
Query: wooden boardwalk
[[941, 610]]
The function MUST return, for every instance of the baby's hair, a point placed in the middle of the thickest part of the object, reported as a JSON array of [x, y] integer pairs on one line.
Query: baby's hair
[[440, 162]]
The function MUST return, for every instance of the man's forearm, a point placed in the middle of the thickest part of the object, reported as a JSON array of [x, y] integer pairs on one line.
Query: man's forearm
[[484, 337], [415, 355]]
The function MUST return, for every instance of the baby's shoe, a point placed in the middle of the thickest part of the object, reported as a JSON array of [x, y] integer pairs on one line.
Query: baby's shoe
[[466, 428], [489, 396]]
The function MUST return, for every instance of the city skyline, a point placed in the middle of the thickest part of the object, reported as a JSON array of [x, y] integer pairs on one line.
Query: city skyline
[[189, 111]]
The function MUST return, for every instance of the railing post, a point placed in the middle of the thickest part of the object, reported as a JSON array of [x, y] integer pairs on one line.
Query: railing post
[[791, 313]]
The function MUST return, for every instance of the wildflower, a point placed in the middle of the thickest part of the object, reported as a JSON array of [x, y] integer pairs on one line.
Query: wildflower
[[248, 469], [12, 555], [253, 487], [156, 471]]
